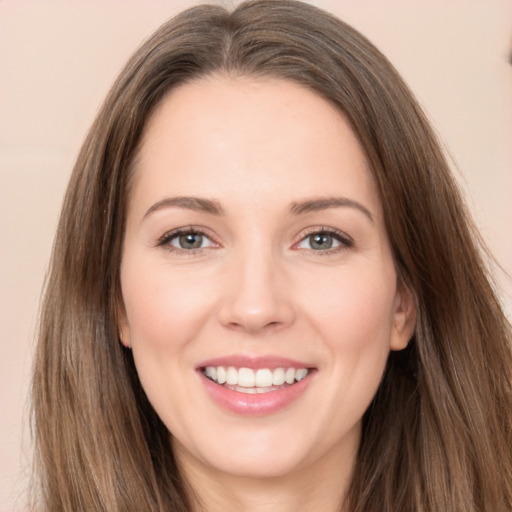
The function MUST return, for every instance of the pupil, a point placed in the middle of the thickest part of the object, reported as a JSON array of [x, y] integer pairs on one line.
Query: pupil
[[321, 241], [191, 241]]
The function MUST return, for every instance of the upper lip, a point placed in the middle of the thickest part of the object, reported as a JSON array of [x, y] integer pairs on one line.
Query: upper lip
[[244, 361]]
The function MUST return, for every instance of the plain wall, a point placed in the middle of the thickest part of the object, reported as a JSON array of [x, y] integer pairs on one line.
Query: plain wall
[[58, 59]]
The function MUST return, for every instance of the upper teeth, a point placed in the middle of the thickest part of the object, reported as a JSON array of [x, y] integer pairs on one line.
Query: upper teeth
[[248, 378]]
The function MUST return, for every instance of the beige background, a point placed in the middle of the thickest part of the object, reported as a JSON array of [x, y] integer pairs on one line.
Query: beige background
[[57, 60]]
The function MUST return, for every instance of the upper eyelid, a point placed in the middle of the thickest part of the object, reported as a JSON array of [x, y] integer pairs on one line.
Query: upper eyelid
[[324, 229], [345, 241], [168, 235]]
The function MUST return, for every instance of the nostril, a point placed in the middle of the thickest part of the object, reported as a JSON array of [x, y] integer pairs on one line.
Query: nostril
[[255, 326]]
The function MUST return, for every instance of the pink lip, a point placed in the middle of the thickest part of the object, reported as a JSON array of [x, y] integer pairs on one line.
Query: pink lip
[[242, 361], [255, 405]]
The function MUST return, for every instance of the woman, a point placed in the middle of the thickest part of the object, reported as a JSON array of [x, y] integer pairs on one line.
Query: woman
[[265, 290]]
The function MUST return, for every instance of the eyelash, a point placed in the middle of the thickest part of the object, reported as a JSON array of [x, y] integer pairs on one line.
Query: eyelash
[[165, 240], [344, 240]]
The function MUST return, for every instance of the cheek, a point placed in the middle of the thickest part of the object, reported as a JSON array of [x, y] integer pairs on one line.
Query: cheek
[[164, 307], [354, 318], [357, 299], [354, 314], [165, 310]]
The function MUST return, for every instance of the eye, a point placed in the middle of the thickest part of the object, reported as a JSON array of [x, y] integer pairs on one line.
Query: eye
[[186, 240], [324, 240]]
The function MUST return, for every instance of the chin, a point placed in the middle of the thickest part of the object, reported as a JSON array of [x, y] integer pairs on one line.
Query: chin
[[264, 465], [245, 456]]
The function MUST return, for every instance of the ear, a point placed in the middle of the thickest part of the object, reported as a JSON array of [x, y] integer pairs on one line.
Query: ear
[[404, 321], [123, 327]]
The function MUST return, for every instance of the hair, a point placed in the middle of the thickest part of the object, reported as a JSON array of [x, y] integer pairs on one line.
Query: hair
[[438, 434]]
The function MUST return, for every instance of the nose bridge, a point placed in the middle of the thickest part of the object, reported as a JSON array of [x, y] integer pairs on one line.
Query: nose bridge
[[257, 296]]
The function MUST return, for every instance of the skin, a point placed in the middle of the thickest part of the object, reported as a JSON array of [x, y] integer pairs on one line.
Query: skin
[[258, 287]]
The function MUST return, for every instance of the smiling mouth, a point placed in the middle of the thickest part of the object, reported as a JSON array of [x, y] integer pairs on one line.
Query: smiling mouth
[[247, 380]]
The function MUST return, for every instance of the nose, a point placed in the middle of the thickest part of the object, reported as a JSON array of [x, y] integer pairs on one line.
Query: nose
[[257, 296]]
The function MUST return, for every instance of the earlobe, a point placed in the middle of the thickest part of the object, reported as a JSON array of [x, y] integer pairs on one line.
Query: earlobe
[[125, 341], [404, 321], [123, 330]]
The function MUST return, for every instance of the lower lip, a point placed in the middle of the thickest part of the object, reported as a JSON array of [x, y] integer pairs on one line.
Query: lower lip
[[246, 404]]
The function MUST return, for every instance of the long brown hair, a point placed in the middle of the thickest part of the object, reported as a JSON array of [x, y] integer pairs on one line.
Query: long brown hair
[[438, 435]]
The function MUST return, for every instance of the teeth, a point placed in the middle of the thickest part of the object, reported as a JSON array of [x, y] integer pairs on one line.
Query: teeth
[[245, 378], [249, 381], [221, 375], [300, 374], [278, 377], [211, 372], [231, 376], [289, 376], [263, 378], [252, 391]]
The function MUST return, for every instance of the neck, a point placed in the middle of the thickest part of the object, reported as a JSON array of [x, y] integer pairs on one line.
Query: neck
[[322, 485]]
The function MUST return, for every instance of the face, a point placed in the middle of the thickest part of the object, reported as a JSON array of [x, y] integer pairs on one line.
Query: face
[[260, 296]]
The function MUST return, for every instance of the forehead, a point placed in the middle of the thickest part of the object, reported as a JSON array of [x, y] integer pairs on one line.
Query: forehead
[[250, 138]]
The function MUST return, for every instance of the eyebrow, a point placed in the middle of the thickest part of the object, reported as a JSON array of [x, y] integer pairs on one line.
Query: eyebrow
[[323, 203], [189, 203], [297, 208]]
